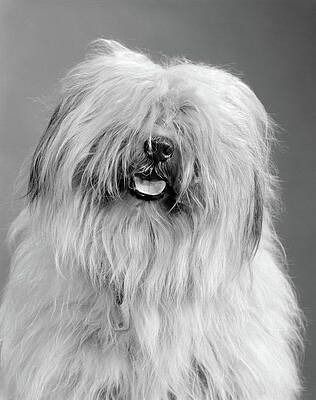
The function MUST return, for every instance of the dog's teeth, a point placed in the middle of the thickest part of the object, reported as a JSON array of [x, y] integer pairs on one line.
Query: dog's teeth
[[149, 187]]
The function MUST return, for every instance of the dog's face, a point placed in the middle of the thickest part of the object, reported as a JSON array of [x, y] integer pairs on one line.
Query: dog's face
[[145, 165]]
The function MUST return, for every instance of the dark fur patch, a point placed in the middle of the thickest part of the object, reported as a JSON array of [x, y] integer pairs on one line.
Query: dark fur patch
[[258, 213], [36, 184], [171, 396], [254, 226]]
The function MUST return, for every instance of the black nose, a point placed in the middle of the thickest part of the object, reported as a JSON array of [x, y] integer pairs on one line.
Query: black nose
[[159, 148]]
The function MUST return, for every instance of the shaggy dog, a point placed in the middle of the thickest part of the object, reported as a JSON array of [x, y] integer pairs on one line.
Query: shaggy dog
[[146, 265]]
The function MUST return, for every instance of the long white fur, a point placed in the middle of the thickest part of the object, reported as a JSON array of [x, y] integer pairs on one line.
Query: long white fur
[[213, 314]]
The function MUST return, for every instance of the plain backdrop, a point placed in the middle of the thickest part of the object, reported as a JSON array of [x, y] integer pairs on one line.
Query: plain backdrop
[[272, 43]]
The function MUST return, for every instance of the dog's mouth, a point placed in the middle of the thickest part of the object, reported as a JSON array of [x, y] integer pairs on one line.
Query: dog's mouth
[[152, 187], [148, 186]]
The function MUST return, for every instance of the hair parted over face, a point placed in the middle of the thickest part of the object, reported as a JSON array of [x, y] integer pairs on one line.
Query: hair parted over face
[[155, 177]]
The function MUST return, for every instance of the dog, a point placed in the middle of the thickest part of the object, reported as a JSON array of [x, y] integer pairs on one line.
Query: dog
[[146, 265]]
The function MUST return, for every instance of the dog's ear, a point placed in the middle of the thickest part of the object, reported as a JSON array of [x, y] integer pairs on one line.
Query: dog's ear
[[37, 183], [259, 131]]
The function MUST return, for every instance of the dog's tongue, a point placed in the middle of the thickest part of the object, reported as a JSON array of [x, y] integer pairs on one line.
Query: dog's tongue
[[152, 187]]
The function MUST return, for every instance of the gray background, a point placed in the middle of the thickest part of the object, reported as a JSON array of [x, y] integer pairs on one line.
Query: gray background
[[272, 43]]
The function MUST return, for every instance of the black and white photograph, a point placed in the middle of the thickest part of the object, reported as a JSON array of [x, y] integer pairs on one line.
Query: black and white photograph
[[157, 199]]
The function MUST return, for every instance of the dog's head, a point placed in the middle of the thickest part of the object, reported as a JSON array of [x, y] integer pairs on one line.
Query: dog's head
[[155, 163]]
